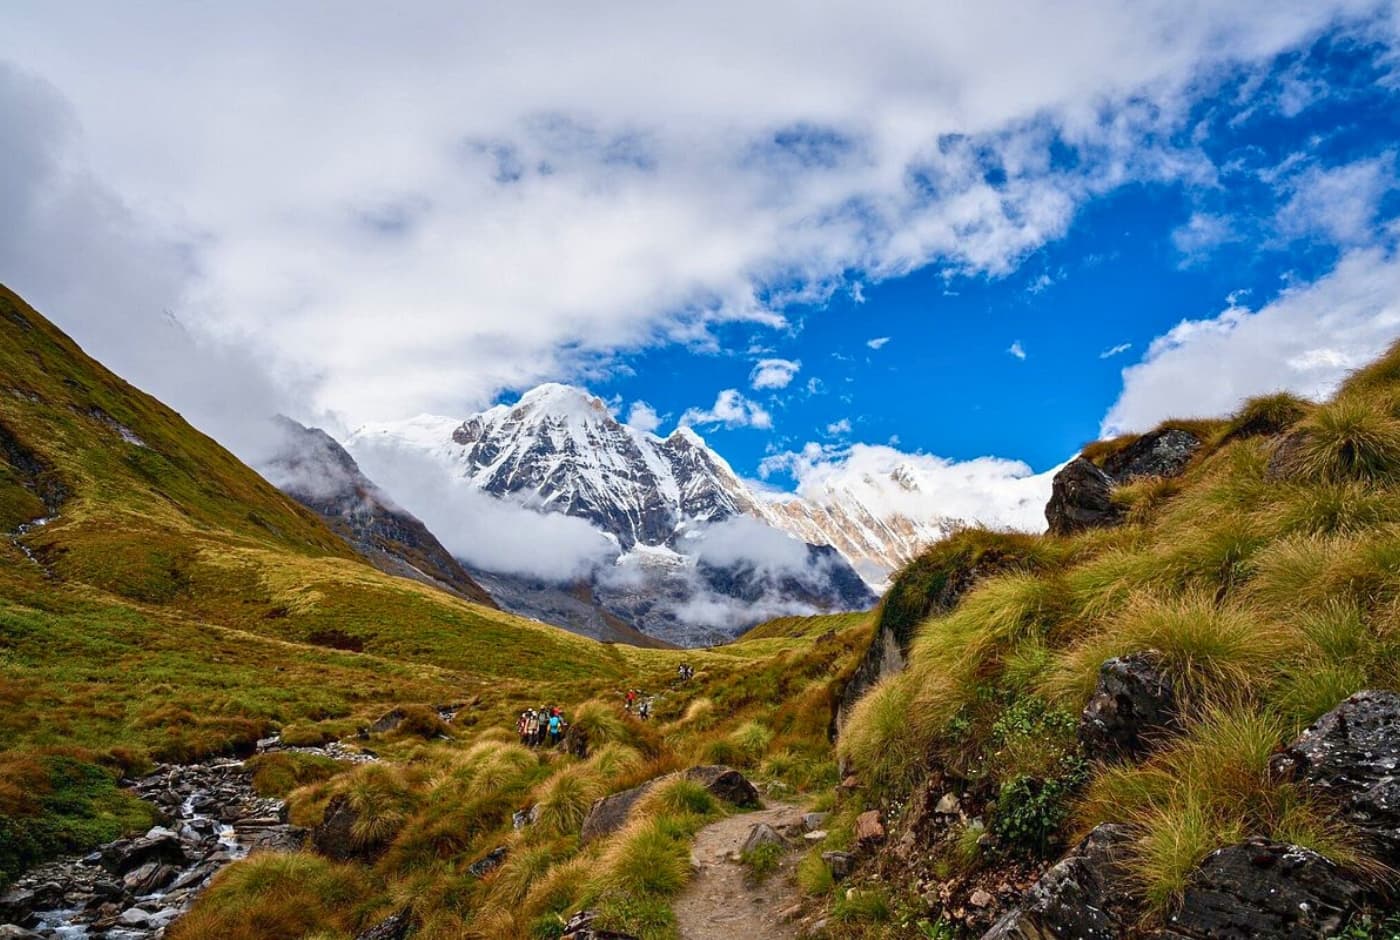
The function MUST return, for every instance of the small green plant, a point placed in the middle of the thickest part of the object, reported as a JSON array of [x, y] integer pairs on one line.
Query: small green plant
[[763, 860], [862, 906], [1031, 811]]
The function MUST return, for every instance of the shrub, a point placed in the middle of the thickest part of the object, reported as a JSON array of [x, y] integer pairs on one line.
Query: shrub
[[1031, 811]]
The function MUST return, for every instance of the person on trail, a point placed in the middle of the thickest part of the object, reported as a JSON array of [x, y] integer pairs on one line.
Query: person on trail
[[556, 729], [629, 699], [520, 726], [532, 729], [543, 728], [645, 711]]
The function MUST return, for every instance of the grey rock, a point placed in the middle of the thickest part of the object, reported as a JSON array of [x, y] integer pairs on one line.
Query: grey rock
[[488, 862], [580, 927], [16, 932], [948, 805], [725, 783], [609, 813], [334, 837], [394, 927], [762, 834], [1352, 755], [1261, 890], [1163, 453], [813, 821], [1132, 701], [840, 863], [1076, 897], [1081, 498]]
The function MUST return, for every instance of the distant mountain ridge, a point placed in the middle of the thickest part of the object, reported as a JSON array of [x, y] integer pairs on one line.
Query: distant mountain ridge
[[661, 500]]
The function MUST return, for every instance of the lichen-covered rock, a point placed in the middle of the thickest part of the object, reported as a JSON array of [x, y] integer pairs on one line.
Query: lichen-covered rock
[[1081, 498], [1261, 890], [488, 862], [841, 864], [1078, 897], [1132, 701], [1163, 453], [1352, 754], [609, 813]]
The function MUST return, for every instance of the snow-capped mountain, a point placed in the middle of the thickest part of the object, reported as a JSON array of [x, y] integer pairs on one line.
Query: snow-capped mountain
[[695, 554]]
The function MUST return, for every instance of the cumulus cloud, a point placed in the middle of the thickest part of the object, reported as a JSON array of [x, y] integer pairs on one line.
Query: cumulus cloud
[[989, 491], [1118, 350], [478, 528], [643, 417], [1017, 350], [730, 409], [516, 219], [1305, 342], [774, 373], [1339, 203], [878, 342], [839, 427]]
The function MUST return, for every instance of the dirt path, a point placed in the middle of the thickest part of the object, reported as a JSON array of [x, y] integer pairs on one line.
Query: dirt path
[[720, 903]]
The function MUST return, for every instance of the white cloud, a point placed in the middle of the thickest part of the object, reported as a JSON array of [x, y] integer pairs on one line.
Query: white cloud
[[1339, 203], [1305, 341], [1112, 351], [1017, 350], [730, 409], [643, 417], [1202, 232], [774, 373], [878, 342], [519, 195], [991, 491], [837, 428], [460, 515]]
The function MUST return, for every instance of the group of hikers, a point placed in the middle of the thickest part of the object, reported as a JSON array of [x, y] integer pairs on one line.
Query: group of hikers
[[536, 726], [546, 724]]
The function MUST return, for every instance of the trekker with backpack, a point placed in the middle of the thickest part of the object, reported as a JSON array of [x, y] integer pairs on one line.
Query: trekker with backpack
[[556, 728]]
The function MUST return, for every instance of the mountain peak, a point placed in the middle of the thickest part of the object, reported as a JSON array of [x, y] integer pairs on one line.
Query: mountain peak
[[558, 398]]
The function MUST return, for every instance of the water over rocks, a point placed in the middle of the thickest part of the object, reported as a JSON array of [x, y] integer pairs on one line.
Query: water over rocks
[[133, 889]]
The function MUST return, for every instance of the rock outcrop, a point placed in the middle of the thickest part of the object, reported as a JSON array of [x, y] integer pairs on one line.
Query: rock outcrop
[[1261, 890], [1132, 701], [1352, 755], [1081, 498], [394, 927], [1161, 453], [1081, 896]]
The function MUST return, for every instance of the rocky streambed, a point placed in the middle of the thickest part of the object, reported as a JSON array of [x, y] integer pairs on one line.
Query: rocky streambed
[[134, 888]]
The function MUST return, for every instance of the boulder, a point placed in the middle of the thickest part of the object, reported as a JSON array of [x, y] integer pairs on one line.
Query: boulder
[[762, 834], [869, 831], [1352, 755], [1163, 453], [487, 863], [1076, 897], [1261, 890], [334, 837], [393, 927], [157, 845], [580, 927], [609, 813], [811, 822], [15, 932], [1132, 701], [388, 721], [1080, 499], [725, 783]]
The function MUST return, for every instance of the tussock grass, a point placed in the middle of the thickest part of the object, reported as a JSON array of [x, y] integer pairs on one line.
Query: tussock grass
[[563, 800], [1267, 415], [278, 895], [1346, 439]]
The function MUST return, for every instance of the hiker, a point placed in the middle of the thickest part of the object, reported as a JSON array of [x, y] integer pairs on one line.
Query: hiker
[[543, 728], [556, 728], [532, 729], [629, 699], [645, 711], [522, 727]]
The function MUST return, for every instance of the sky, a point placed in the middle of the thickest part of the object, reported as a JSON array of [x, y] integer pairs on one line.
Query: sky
[[955, 231]]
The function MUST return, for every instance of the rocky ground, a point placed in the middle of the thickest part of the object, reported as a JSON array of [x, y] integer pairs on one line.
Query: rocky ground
[[132, 889]]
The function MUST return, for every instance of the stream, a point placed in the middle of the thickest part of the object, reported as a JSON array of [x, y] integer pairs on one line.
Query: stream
[[133, 889]]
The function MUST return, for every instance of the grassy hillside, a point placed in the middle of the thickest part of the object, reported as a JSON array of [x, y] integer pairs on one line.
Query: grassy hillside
[[175, 606], [1267, 577]]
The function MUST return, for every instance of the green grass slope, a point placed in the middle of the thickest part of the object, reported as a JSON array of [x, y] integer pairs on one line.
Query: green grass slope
[[1267, 576]]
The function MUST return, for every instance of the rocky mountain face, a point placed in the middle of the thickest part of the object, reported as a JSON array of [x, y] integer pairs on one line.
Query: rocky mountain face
[[311, 467], [697, 555]]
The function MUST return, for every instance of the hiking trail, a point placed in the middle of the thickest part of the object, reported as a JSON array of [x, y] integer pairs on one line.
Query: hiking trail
[[721, 902]]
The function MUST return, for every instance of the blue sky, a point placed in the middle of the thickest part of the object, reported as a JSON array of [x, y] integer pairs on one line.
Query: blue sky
[[353, 217], [1082, 307]]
